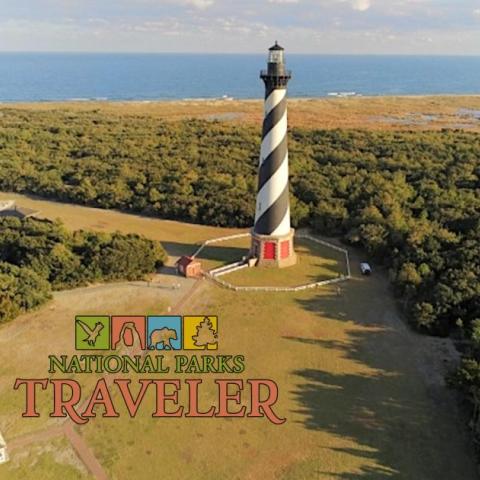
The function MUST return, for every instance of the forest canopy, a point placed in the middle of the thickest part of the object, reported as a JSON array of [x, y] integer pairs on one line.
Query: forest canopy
[[410, 199], [37, 257]]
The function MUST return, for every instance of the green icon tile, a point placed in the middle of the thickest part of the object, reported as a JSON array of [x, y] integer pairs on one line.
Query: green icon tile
[[92, 333]]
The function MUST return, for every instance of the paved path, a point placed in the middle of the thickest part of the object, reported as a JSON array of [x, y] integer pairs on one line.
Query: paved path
[[178, 307], [84, 452]]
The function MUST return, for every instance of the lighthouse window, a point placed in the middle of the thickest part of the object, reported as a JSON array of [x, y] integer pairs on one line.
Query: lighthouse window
[[275, 56]]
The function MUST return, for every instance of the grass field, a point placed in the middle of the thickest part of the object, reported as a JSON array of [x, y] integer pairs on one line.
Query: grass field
[[364, 396], [51, 460], [356, 404], [372, 113], [315, 263], [177, 238]]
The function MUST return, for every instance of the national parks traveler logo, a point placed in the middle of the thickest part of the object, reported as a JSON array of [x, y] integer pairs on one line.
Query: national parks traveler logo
[[166, 332], [138, 344]]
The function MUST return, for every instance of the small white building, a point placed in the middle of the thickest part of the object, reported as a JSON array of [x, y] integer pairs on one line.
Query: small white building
[[3, 450], [365, 268], [8, 208], [7, 205]]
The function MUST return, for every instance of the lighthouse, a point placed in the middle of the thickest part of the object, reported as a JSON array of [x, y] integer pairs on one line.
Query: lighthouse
[[272, 236]]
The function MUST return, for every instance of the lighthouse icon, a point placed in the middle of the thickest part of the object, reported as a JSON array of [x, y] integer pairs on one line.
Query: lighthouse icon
[[272, 236]]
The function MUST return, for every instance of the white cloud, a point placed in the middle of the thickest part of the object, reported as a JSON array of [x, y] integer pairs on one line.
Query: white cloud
[[361, 5], [318, 26], [200, 4], [98, 21]]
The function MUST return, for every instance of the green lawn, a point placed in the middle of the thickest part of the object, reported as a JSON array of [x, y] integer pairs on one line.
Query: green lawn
[[356, 403], [315, 262], [49, 460]]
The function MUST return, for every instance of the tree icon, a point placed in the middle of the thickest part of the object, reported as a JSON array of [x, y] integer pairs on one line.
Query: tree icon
[[206, 335]]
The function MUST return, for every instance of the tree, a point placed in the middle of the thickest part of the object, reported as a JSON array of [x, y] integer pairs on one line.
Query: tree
[[38, 256], [206, 334], [424, 315]]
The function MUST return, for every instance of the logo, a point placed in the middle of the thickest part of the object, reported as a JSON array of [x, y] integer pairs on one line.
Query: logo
[[200, 333], [165, 333], [92, 333], [137, 345], [129, 332], [155, 332]]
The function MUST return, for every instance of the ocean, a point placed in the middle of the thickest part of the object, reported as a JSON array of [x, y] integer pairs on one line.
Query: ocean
[[34, 77]]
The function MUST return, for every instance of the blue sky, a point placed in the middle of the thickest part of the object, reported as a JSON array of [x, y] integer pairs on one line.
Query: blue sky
[[304, 26]]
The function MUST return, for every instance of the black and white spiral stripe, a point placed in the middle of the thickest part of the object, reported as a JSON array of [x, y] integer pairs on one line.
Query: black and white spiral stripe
[[272, 216]]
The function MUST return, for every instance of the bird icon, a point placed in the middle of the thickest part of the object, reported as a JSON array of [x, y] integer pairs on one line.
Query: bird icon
[[92, 333]]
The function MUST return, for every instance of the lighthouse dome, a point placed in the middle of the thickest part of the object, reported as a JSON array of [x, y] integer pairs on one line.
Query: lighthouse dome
[[276, 47]]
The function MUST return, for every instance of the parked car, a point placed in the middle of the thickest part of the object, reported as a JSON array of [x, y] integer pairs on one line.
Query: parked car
[[365, 268]]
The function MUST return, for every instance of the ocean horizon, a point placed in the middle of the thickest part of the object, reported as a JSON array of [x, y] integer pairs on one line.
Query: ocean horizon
[[55, 76]]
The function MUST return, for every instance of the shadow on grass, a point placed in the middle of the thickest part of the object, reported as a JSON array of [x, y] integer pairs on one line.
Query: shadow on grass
[[398, 429], [168, 270], [328, 271], [176, 249], [222, 254], [214, 252]]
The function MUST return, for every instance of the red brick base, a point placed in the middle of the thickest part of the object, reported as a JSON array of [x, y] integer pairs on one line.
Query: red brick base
[[273, 252]]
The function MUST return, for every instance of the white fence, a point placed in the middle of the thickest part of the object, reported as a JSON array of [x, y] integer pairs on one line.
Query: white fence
[[308, 286], [232, 267], [332, 246], [220, 239]]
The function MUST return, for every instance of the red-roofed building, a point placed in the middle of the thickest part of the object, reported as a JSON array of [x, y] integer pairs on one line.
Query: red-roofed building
[[188, 267]]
